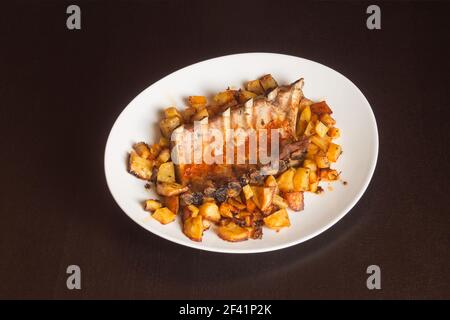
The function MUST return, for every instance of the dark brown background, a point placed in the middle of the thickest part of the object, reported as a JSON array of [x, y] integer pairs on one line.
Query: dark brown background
[[61, 91]]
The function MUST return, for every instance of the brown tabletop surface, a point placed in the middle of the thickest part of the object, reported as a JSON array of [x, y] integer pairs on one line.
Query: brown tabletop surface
[[61, 91]]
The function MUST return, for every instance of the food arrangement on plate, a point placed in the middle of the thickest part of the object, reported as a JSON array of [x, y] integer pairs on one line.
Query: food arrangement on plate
[[238, 198]]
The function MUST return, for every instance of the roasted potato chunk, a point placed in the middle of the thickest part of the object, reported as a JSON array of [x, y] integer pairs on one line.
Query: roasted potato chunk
[[142, 149], [334, 133], [140, 167], [152, 205], [294, 200], [193, 228], [268, 83], [172, 203], [327, 120], [334, 151], [320, 129], [322, 162], [225, 210], [279, 202], [321, 142], [201, 114], [164, 155], [277, 220], [320, 108], [168, 125], [197, 102], [286, 180], [244, 96], [210, 211], [170, 189], [248, 192], [164, 215], [255, 87], [225, 97], [166, 173], [263, 197], [301, 179], [232, 232], [172, 112]]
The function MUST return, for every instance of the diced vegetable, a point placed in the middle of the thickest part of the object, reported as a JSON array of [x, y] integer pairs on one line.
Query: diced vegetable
[[294, 200], [244, 96], [279, 202], [140, 167], [320, 108], [268, 83], [301, 179], [322, 161], [248, 193], [232, 232], [152, 205], [164, 155], [334, 133], [164, 215], [193, 228], [172, 203], [168, 125], [170, 188], [286, 180], [334, 151], [278, 220], [210, 211], [142, 149], [193, 209], [321, 129], [172, 112], [166, 172], [225, 210], [255, 87]]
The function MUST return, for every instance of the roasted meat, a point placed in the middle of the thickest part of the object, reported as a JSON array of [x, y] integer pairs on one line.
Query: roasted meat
[[236, 125]]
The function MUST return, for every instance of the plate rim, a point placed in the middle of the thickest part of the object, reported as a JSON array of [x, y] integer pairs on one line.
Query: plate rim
[[205, 247]]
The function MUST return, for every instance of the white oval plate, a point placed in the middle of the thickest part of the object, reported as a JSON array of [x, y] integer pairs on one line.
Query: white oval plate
[[354, 116]]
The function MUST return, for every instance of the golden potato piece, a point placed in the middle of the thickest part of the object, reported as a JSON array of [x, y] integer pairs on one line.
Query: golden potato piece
[[294, 200], [193, 228], [334, 151], [197, 102], [172, 203], [164, 215], [210, 211], [268, 83], [322, 162], [320, 108], [193, 209], [301, 179], [248, 193], [263, 197], [170, 189], [164, 155], [244, 96], [225, 97], [168, 125], [142, 149], [334, 133], [277, 220], [321, 142], [320, 129], [152, 205], [166, 173], [172, 112], [279, 202], [203, 113], [327, 120], [232, 232], [286, 180], [140, 167], [255, 87], [225, 210]]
